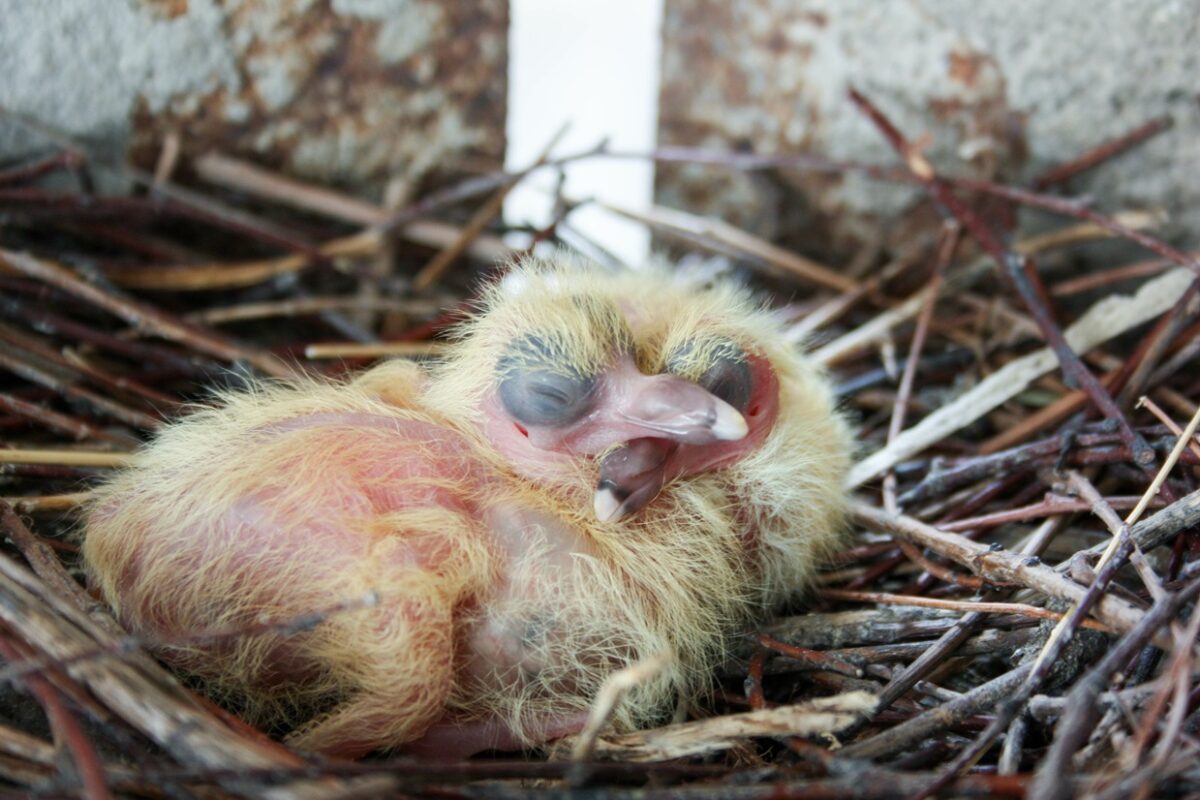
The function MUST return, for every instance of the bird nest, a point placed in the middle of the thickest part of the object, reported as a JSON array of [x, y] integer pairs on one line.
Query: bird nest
[[1008, 618]]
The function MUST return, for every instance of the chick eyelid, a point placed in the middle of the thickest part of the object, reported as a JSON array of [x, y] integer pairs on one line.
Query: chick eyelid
[[537, 389], [726, 375]]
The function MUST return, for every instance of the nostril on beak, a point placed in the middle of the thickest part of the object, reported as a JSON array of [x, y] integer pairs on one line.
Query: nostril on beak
[[676, 409]]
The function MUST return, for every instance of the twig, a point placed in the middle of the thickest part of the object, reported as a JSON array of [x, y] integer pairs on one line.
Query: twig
[[949, 242], [375, 350], [825, 715], [1051, 506], [1100, 153], [408, 221], [1066, 207], [1160, 478], [181, 200], [49, 322], [707, 228], [144, 317], [1002, 568], [1118, 551], [128, 645], [31, 170], [24, 365], [615, 687], [66, 727], [63, 423], [813, 658], [301, 306], [77, 458], [1161, 416], [1104, 320], [909, 733], [1160, 528], [1052, 779], [969, 606], [1018, 270], [141, 693], [46, 503], [432, 272], [67, 360], [1118, 527], [1102, 278]]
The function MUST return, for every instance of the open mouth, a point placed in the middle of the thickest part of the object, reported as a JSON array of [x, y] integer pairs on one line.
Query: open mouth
[[631, 476]]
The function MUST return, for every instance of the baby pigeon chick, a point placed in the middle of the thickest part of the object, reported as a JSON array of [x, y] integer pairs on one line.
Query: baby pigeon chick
[[606, 468]]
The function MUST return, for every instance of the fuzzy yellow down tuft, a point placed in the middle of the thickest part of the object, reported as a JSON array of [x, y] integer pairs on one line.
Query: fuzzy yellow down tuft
[[500, 598]]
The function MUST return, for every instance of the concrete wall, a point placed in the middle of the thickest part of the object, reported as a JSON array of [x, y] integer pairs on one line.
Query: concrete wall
[[349, 92], [1002, 87]]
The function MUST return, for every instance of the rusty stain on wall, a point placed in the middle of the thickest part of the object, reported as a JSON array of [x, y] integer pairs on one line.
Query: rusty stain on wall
[[769, 77], [997, 94], [343, 92]]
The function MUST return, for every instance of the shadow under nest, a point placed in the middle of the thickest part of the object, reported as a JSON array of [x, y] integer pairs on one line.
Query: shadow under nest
[[1010, 617]]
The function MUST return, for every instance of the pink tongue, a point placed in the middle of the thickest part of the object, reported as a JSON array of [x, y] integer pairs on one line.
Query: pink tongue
[[631, 476]]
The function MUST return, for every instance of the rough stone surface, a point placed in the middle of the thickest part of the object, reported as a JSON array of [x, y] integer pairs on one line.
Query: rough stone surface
[[1003, 88], [351, 92]]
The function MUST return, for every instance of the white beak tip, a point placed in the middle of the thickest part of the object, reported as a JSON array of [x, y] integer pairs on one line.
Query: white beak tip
[[606, 505], [730, 426]]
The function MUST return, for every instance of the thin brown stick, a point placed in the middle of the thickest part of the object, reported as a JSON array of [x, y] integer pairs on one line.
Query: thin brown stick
[[1019, 271], [433, 271], [1100, 323], [946, 248], [1158, 484], [31, 170], [144, 317], [1103, 278], [1118, 527], [813, 658], [66, 728], [27, 367], [1064, 206], [76, 458], [1148, 404], [969, 606], [1053, 505], [303, 306], [728, 236], [411, 221], [62, 423], [1053, 774], [1100, 153], [67, 361], [47, 503], [1000, 567], [375, 350], [909, 733]]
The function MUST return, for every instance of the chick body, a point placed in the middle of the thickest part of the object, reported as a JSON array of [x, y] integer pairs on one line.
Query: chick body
[[503, 600]]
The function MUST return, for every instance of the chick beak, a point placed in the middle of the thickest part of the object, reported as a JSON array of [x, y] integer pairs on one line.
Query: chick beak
[[630, 477], [679, 410], [668, 411]]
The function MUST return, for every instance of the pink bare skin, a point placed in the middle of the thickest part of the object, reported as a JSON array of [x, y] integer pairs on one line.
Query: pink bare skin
[[355, 491], [531, 518]]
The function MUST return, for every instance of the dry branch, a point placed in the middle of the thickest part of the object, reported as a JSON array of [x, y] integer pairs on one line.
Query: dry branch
[[923, 682]]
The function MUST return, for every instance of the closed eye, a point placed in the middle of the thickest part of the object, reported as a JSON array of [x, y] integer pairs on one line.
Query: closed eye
[[720, 367], [539, 387]]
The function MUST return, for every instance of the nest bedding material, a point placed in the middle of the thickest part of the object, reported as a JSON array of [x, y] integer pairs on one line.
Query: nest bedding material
[[1011, 616]]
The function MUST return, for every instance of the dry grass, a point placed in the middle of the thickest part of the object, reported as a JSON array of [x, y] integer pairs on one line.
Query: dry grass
[[1012, 617]]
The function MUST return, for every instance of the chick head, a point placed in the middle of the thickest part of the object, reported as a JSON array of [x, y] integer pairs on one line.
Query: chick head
[[622, 385]]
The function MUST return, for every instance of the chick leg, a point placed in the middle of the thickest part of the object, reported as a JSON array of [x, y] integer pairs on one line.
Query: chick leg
[[400, 657]]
